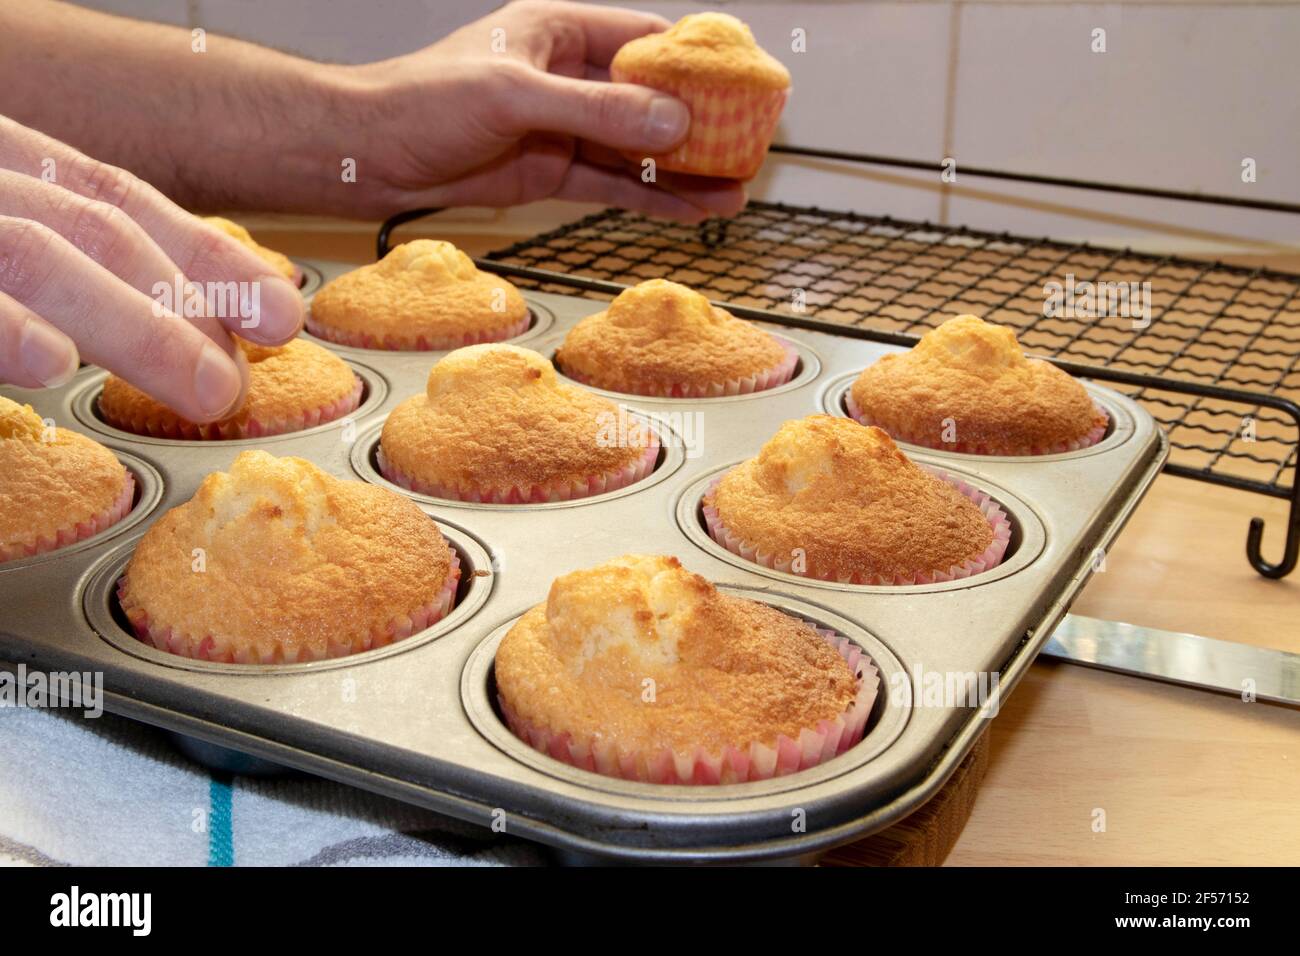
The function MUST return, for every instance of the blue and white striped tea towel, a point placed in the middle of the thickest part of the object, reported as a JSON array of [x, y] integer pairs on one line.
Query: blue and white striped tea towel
[[113, 792]]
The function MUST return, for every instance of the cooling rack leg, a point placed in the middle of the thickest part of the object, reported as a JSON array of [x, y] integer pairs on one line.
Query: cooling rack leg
[[1290, 551]]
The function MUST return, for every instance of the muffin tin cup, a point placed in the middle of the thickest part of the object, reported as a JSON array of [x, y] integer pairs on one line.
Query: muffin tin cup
[[1018, 538], [537, 322], [417, 719], [669, 454], [800, 367], [137, 501], [882, 719], [837, 400], [309, 277], [369, 392], [109, 619], [764, 381], [172, 640], [698, 765], [171, 428]]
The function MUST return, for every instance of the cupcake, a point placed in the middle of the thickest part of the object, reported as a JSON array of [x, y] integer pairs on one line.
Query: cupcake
[[642, 670], [277, 260], [829, 499], [424, 295], [278, 562], [967, 386], [290, 387], [662, 339], [57, 487], [733, 88], [496, 424]]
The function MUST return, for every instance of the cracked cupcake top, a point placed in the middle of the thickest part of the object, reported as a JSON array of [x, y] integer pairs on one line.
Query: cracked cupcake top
[[421, 288], [493, 417], [279, 556], [725, 671], [968, 383], [844, 498], [704, 48], [50, 477], [659, 334]]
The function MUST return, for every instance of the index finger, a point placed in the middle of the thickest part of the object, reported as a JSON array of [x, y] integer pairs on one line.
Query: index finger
[[203, 253]]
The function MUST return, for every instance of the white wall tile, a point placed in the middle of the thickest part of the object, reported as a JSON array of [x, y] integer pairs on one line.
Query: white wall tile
[[1181, 96]]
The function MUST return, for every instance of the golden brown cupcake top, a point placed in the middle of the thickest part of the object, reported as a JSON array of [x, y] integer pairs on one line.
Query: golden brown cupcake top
[[843, 496], [497, 417], [290, 556], [971, 378], [658, 334], [724, 670], [277, 260], [284, 383], [704, 48], [425, 287], [50, 478]]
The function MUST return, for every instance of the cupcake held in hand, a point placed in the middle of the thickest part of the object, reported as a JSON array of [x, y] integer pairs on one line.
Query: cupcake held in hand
[[968, 387], [734, 89], [278, 562], [662, 339], [830, 499], [424, 295], [497, 424], [56, 487], [290, 387], [642, 670]]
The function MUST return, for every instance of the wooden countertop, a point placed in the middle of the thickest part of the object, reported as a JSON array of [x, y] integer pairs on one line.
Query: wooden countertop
[[1184, 776]]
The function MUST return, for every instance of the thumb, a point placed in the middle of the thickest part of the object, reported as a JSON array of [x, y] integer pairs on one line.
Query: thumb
[[619, 115]]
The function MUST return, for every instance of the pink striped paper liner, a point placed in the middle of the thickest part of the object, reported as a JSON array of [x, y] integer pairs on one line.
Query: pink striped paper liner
[[777, 375], [175, 428], [72, 533], [422, 343], [699, 766], [223, 650], [731, 126], [535, 494], [1094, 435], [990, 558]]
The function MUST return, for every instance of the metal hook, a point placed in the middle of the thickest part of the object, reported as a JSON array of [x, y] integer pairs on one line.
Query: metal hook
[[392, 222], [1290, 551]]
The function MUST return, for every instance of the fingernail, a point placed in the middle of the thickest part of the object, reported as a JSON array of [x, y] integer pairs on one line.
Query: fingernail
[[216, 382], [275, 310], [667, 121], [48, 357]]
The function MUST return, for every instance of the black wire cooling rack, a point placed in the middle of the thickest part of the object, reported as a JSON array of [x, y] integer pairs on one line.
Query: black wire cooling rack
[[1218, 363]]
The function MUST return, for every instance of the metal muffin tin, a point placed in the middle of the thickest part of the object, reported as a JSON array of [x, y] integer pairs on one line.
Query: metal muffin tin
[[417, 720]]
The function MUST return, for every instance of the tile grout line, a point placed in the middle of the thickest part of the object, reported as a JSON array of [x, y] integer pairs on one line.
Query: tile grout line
[[950, 102]]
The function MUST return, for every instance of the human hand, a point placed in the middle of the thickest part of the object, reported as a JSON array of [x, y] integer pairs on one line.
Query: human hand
[[517, 107], [84, 248]]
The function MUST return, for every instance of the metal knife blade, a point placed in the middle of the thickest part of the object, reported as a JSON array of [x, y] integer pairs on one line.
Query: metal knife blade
[[1187, 659]]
